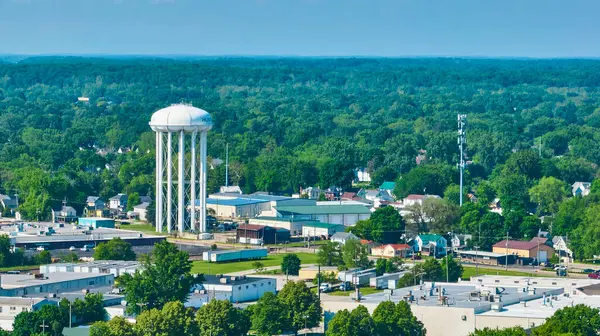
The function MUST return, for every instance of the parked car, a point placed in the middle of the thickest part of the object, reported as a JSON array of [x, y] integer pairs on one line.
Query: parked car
[[40, 248], [594, 275], [346, 286], [72, 248], [588, 270], [87, 248], [325, 287]]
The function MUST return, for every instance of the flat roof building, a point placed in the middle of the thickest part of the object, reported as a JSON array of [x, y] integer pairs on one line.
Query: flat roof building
[[20, 285], [318, 229], [114, 267], [236, 207], [239, 288], [488, 258], [346, 215]]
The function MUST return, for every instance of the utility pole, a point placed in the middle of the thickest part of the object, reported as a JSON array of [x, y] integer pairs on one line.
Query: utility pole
[[319, 281], [506, 260], [43, 326], [227, 165], [462, 139]]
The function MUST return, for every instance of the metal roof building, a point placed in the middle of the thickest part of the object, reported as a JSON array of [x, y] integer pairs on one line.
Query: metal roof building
[[346, 215]]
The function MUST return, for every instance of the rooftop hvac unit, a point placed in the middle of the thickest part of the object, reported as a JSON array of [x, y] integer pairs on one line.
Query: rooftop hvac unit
[[233, 278], [123, 303], [223, 280]]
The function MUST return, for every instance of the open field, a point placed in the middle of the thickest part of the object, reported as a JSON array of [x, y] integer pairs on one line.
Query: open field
[[237, 266], [143, 228]]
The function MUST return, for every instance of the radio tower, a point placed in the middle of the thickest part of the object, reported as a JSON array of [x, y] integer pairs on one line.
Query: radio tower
[[462, 140]]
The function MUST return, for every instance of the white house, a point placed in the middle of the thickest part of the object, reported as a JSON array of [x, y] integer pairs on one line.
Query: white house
[[560, 246], [581, 188], [459, 241], [10, 307], [65, 214], [342, 237], [311, 192], [414, 199], [238, 288], [430, 244], [141, 210], [361, 175], [118, 202]]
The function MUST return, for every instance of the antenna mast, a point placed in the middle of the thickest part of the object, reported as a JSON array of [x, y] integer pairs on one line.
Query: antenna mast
[[462, 140]]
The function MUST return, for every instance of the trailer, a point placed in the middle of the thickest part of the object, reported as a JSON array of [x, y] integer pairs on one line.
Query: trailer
[[357, 277], [234, 255], [382, 282]]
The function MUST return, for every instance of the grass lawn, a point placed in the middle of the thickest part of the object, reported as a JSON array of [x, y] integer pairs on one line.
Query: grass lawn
[[470, 271], [143, 228], [237, 266], [20, 268], [363, 291]]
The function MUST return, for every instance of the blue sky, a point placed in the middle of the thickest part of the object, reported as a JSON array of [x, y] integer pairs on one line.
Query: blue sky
[[521, 28]]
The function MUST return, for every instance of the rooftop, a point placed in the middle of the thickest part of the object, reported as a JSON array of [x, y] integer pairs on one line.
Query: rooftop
[[11, 281], [19, 301], [482, 254], [517, 244], [322, 225], [387, 185], [237, 280], [324, 209], [232, 202]]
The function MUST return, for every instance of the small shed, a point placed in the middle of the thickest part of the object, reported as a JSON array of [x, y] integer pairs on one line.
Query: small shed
[[259, 234]]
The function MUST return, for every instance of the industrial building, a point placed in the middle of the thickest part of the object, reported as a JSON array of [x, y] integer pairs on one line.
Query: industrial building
[[238, 288], [114, 267], [20, 285], [63, 236], [10, 307], [487, 258], [385, 281], [258, 234], [318, 229], [97, 222], [534, 249], [237, 207], [451, 309], [230, 255], [295, 227], [346, 215], [357, 277]]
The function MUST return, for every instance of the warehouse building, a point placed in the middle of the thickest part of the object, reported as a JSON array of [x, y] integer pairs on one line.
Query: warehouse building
[[318, 229], [114, 267], [346, 215], [236, 207], [534, 249], [487, 258], [238, 288], [20, 285], [259, 234], [294, 226], [10, 307]]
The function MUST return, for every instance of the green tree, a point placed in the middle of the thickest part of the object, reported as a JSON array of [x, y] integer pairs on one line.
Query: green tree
[[44, 257], [387, 225], [220, 317], [270, 316], [396, 319], [290, 264], [302, 304], [117, 326], [258, 266], [577, 320], [385, 266], [172, 319], [88, 310], [355, 254], [329, 254], [454, 270], [433, 270], [358, 322], [548, 193], [165, 277], [485, 193], [514, 331], [114, 249], [452, 194], [524, 162], [431, 179]]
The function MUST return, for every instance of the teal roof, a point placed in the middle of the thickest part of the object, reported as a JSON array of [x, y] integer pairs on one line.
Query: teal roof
[[426, 238], [322, 225], [324, 209], [387, 185]]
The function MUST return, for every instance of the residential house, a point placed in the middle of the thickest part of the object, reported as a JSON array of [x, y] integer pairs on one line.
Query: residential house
[[430, 244], [145, 199], [342, 237], [361, 175], [141, 210], [495, 206], [459, 241], [388, 187], [536, 249], [370, 244], [560, 246], [65, 214], [118, 202], [391, 250], [311, 192], [333, 193], [94, 202], [581, 188], [421, 157], [349, 196], [414, 199]]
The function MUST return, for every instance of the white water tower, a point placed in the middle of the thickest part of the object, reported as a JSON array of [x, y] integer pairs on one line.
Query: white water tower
[[180, 172]]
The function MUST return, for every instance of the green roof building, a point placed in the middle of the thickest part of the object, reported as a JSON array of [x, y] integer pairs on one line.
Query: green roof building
[[387, 185]]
